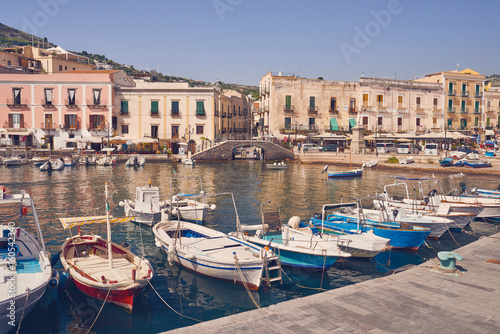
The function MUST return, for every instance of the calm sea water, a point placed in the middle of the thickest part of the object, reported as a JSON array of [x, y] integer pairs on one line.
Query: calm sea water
[[300, 191]]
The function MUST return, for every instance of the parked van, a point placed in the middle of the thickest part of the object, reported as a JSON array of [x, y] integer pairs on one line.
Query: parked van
[[386, 148], [311, 147], [431, 149], [407, 148]]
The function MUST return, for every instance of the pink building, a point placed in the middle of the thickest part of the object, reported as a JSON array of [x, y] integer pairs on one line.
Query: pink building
[[37, 110]]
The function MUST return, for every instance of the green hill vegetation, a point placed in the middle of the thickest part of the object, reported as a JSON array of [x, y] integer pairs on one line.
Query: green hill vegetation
[[495, 79]]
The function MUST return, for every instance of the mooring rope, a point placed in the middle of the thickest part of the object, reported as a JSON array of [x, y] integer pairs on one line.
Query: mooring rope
[[24, 308], [323, 271], [170, 307], [237, 265], [102, 306], [301, 286]]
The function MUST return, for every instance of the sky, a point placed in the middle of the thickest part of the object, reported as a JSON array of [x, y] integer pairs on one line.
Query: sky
[[239, 41]]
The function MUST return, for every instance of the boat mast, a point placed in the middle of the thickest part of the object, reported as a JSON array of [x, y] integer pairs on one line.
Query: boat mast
[[108, 225]]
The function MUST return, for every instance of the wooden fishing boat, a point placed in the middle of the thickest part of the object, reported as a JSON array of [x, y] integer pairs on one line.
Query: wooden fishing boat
[[100, 268]]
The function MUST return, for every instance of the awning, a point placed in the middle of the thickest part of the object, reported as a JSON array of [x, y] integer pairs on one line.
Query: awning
[[145, 140], [110, 149], [333, 124], [352, 122], [489, 133], [79, 221], [19, 133]]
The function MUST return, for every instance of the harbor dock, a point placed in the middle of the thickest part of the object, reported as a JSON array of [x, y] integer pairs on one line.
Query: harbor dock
[[421, 299]]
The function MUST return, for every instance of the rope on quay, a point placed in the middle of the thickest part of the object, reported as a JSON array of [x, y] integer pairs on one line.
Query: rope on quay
[[24, 308], [170, 307], [102, 306], [237, 265]]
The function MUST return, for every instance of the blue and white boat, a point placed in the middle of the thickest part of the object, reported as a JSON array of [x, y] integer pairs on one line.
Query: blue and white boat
[[402, 236], [24, 262], [446, 162], [295, 248], [477, 163]]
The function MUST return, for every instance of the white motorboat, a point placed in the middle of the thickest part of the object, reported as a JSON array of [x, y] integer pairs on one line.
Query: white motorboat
[[57, 164], [105, 161], [38, 161], [69, 161], [294, 247], [277, 165], [215, 254], [370, 164], [84, 160], [406, 161], [101, 268], [135, 160], [147, 208], [24, 262], [188, 161], [15, 161]]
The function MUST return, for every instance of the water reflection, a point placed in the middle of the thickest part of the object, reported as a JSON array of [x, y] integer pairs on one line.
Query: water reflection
[[301, 190]]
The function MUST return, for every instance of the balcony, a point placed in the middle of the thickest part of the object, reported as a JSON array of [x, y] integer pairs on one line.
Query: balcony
[[464, 110], [175, 112], [312, 110], [333, 111], [288, 109], [352, 111], [96, 104], [451, 110], [436, 109], [17, 103], [478, 94], [477, 111], [229, 115], [96, 127], [452, 92], [490, 109], [154, 113], [419, 108], [465, 93], [224, 114], [47, 104], [123, 111], [48, 125], [73, 126], [71, 104], [13, 125], [381, 106], [200, 112]]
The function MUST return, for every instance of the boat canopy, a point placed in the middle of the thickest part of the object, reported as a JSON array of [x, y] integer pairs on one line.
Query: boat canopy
[[79, 221]]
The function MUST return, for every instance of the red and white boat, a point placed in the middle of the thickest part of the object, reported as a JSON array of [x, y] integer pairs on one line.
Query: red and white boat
[[103, 269]]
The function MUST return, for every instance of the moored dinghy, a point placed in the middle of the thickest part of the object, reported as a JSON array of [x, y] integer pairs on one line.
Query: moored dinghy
[[103, 269]]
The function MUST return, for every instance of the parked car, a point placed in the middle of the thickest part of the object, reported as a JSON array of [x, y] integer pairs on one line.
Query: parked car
[[407, 148], [386, 148], [332, 147], [311, 147], [431, 149]]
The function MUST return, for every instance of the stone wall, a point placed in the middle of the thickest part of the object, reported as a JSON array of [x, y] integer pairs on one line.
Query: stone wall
[[224, 151]]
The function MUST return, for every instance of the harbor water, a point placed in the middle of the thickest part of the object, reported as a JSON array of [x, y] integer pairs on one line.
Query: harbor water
[[300, 190]]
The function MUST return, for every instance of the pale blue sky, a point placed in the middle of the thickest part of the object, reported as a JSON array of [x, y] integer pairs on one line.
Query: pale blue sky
[[238, 41]]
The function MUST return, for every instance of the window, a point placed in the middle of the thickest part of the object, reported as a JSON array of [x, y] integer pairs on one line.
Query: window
[[124, 107], [48, 96], [71, 121], [16, 92], [60, 68], [200, 108], [96, 122], [71, 97], [365, 120], [312, 123], [96, 95], [380, 100], [450, 105], [478, 90], [417, 121], [352, 104], [365, 100], [239, 111], [154, 131], [400, 121], [9, 62], [434, 121], [333, 103], [450, 88], [464, 89], [199, 129], [16, 121], [379, 120], [487, 121], [435, 102], [476, 107], [476, 121], [288, 102], [114, 123], [175, 131], [400, 101], [450, 123], [175, 107], [124, 128], [154, 108], [234, 110], [312, 102], [418, 102], [288, 123], [463, 123], [65, 68]]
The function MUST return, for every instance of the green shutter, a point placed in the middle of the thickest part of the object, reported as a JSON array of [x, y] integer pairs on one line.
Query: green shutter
[[312, 102], [175, 107], [200, 108], [288, 102], [124, 107], [487, 121], [154, 107], [352, 122], [476, 121], [334, 125], [450, 104], [450, 123]]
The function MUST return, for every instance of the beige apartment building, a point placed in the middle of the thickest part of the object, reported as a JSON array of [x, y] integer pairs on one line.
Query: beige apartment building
[[235, 114], [431, 104]]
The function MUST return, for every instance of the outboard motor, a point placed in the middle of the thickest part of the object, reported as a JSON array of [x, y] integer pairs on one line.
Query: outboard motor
[[395, 212], [463, 186]]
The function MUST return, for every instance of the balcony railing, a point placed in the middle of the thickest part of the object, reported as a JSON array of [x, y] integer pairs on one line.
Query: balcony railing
[[452, 92], [175, 112], [224, 114], [465, 93], [312, 110], [478, 94], [47, 125], [96, 104], [123, 111], [200, 112], [464, 110], [451, 110], [154, 113], [47, 104], [352, 111], [333, 111], [72, 126], [436, 109], [18, 125], [93, 126], [17, 103], [288, 109], [71, 104], [477, 111]]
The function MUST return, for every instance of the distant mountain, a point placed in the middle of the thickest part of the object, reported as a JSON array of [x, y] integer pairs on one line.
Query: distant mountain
[[10, 37]]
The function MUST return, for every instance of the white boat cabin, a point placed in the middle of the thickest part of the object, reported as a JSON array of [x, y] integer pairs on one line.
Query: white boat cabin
[[147, 199]]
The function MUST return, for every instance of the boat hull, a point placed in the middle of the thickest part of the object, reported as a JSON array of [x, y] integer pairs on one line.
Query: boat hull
[[146, 218], [348, 173]]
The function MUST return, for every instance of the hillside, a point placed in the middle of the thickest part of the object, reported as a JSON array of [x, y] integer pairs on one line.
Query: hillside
[[10, 37], [495, 79]]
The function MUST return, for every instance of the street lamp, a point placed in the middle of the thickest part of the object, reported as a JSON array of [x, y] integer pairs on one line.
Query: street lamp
[[189, 132]]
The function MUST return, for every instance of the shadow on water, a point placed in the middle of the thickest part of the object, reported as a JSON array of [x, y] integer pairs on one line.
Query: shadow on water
[[301, 190]]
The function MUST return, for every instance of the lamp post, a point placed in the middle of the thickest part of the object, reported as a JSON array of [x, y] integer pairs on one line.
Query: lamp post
[[376, 130], [189, 132]]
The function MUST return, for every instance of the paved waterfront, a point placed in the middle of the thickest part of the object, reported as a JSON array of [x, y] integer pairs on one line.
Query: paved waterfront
[[412, 301]]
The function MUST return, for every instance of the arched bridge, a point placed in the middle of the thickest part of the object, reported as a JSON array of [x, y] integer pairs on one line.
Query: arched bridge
[[228, 149]]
